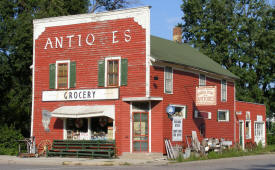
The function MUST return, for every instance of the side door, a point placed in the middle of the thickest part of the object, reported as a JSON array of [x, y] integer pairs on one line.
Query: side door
[[259, 132], [241, 133]]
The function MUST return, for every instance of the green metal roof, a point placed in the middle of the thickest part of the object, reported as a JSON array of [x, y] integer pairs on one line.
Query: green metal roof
[[183, 54]]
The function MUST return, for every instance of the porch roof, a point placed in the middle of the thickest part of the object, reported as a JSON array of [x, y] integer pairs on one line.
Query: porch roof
[[130, 99], [84, 111]]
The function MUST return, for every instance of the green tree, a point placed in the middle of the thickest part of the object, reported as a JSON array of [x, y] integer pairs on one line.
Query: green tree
[[238, 34], [16, 53], [16, 40], [109, 5]]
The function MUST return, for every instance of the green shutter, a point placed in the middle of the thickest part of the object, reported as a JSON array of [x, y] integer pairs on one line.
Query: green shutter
[[186, 112], [124, 72], [101, 73], [72, 74], [52, 76]]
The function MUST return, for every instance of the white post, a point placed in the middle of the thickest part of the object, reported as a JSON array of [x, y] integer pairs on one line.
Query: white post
[[89, 127], [64, 128]]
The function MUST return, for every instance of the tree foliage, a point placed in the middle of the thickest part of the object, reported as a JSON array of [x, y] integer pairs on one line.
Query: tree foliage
[[110, 4], [240, 35], [9, 140], [16, 40]]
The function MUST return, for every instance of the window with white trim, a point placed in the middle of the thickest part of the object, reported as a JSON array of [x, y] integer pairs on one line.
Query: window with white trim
[[223, 116], [168, 80], [180, 111], [223, 90], [202, 80], [62, 74], [113, 72], [248, 129]]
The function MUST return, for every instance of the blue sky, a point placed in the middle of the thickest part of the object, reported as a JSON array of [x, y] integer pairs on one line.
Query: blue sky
[[165, 14]]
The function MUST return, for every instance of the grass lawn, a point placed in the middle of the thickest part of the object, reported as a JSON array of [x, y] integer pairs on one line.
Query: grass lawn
[[233, 152]]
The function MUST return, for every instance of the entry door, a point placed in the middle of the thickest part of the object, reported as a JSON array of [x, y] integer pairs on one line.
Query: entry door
[[140, 132], [259, 132], [241, 133]]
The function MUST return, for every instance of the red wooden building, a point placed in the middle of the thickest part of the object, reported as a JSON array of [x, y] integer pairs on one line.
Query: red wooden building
[[103, 76]]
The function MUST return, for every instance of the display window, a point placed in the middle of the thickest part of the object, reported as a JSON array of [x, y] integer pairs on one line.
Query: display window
[[101, 128], [95, 128], [76, 128]]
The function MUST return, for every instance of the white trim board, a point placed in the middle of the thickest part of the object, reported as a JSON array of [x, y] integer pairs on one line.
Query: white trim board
[[139, 14]]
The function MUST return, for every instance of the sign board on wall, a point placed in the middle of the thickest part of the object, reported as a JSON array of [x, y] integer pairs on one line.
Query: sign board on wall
[[177, 129], [87, 94], [206, 95]]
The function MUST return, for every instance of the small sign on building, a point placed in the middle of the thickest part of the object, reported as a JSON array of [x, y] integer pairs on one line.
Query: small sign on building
[[177, 129], [206, 95]]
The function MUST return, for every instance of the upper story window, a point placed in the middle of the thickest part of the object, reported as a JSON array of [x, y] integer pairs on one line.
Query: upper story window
[[168, 80], [248, 129], [62, 75], [223, 115], [223, 90], [247, 125], [112, 72], [202, 80]]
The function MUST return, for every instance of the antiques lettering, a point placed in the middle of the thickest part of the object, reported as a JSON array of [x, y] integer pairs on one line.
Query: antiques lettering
[[89, 39]]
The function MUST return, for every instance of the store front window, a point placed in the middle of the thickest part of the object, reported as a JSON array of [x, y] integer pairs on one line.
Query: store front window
[[77, 128], [94, 128], [101, 128]]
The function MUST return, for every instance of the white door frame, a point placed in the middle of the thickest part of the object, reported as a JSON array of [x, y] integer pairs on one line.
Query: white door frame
[[149, 125], [263, 135], [241, 122]]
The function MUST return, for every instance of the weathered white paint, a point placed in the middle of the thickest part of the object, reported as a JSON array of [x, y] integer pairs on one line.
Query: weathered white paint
[[139, 14], [146, 24]]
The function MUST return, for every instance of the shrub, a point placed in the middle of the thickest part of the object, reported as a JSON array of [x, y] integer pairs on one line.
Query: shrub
[[270, 139], [179, 157], [9, 137]]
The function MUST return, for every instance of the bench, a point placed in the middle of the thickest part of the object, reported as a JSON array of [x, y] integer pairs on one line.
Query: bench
[[83, 148]]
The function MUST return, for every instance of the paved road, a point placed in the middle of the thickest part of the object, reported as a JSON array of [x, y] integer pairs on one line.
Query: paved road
[[259, 162]]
